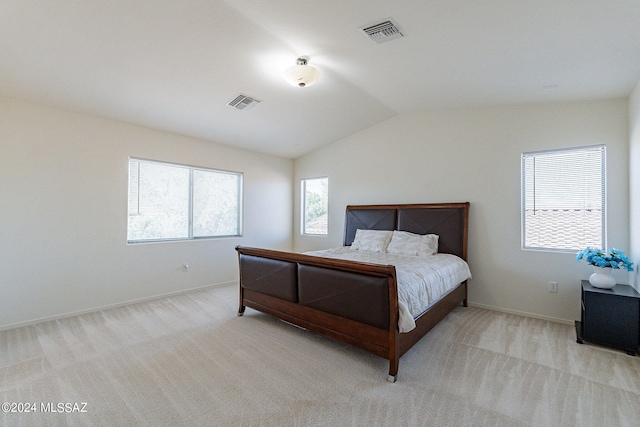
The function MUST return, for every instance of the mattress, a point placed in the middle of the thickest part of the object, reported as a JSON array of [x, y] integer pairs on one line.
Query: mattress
[[422, 280]]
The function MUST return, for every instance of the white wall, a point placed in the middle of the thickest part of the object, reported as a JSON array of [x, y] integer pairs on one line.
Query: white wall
[[634, 182], [474, 156], [63, 213]]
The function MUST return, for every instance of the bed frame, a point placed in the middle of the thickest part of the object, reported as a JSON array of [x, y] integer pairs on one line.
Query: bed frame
[[354, 302]]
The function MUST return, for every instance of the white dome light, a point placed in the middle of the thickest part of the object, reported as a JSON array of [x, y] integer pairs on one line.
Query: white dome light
[[301, 75]]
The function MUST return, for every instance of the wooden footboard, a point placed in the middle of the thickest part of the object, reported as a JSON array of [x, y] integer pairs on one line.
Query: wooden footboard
[[353, 302]]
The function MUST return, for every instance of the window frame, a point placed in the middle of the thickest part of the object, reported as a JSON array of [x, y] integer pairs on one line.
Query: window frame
[[190, 220], [603, 197], [303, 222]]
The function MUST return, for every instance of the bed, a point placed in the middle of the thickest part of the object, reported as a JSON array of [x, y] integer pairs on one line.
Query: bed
[[356, 301]]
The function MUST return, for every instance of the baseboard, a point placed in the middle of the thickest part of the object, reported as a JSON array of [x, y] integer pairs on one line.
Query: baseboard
[[522, 313], [235, 283], [116, 305]]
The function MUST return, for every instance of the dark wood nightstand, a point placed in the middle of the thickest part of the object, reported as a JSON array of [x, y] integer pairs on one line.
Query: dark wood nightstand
[[610, 317]]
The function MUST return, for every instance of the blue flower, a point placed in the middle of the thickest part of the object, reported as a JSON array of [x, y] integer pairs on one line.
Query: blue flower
[[614, 259]]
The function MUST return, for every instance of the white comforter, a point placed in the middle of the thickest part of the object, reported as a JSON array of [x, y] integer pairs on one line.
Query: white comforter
[[422, 280]]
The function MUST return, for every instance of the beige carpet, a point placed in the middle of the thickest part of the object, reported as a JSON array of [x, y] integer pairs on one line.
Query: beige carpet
[[189, 361]]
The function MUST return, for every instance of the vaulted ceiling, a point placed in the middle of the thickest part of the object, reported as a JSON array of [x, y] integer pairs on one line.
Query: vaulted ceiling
[[175, 64]]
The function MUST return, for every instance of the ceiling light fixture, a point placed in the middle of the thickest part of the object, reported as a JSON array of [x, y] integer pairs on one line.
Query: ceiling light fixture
[[301, 75]]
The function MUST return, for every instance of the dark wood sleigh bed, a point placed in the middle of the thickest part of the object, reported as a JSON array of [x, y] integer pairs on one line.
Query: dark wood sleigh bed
[[354, 302]]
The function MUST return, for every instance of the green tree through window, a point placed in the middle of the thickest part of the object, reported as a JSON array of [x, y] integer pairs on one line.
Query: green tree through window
[[175, 202], [315, 202]]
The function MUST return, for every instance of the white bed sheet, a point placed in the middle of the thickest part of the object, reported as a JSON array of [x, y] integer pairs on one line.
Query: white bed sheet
[[422, 280]]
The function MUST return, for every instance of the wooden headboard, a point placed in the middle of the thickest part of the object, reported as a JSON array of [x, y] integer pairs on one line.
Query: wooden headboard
[[447, 220]]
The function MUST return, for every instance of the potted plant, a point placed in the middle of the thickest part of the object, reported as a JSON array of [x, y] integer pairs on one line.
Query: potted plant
[[604, 262]]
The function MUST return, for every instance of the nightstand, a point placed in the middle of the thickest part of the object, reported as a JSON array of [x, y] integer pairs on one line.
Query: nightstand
[[610, 317]]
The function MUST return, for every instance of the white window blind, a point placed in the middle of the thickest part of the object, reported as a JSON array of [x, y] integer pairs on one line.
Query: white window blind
[[175, 202], [563, 199]]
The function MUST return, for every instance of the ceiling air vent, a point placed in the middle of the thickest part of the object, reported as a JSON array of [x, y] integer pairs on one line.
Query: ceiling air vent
[[383, 31], [243, 102]]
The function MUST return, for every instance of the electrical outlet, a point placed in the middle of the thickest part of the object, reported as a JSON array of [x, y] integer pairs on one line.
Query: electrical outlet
[[553, 287], [185, 267]]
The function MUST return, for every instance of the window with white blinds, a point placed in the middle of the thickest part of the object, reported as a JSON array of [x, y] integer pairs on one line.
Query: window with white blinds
[[176, 202], [563, 199]]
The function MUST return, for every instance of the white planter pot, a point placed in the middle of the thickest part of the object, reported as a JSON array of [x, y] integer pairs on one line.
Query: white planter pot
[[602, 278]]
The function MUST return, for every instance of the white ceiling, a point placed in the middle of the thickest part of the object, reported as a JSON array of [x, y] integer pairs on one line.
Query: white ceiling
[[175, 64]]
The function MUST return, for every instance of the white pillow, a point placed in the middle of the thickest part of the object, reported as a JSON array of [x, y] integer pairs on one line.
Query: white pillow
[[406, 243], [371, 240], [429, 244]]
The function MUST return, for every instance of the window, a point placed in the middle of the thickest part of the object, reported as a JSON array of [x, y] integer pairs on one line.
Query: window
[[315, 202], [176, 202], [563, 199]]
